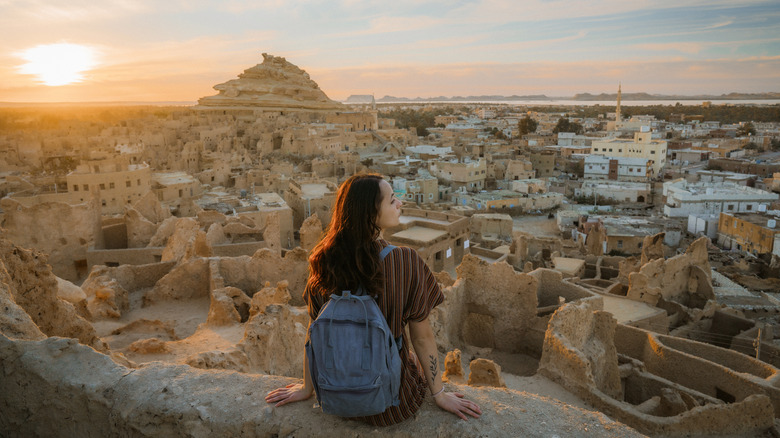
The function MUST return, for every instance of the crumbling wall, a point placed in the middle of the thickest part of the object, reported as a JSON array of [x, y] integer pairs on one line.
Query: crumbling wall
[[34, 288], [251, 273], [499, 305], [685, 278], [579, 351], [717, 372], [584, 346], [62, 231]]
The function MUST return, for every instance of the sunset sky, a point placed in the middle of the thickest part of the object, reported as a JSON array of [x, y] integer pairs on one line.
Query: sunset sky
[[177, 50]]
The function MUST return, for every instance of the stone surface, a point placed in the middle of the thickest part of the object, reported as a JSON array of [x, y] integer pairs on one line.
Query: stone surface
[[485, 372], [229, 305], [59, 388], [139, 229], [652, 248], [69, 291], [311, 231], [268, 296], [149, 346], [34, 288], [498, 305], [106, 298], [187, 241], [453, 368], [151, 208], [216, 235], [190, 279], [164, 231], [274, 339], [276, 84], [579, 348], [64, 232], [685, 278]]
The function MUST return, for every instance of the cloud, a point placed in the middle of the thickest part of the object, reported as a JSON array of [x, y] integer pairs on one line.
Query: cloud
[[689, 47], [72, 10]]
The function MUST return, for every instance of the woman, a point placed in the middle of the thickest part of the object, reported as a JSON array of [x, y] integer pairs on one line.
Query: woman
[[406, 291]]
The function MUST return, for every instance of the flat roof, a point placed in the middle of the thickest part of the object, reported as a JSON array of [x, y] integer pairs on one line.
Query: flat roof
[[314, 190], [409, 219], [420, 234]]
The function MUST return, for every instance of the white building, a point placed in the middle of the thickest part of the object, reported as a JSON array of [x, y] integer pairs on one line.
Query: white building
[[700, 199], [642, 146], [618, 191], [618, 168]]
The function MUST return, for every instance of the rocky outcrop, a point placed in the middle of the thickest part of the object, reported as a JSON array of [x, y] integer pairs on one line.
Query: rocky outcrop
[[106, 298], [311, 231], [453, 368], [61, 388], [485, 372], [276, 85], [34, 288], [273, 340], [186, 242]]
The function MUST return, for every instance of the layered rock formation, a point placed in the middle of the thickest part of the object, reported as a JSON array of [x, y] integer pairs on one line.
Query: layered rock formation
[[275, 85]]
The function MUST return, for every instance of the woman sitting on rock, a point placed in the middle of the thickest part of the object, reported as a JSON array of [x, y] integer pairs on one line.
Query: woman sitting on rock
[[406, 291]]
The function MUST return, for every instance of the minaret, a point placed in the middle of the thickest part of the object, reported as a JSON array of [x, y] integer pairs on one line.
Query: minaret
[[617, 109]]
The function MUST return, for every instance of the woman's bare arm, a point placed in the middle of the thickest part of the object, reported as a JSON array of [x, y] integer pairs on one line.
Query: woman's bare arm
[[424, 344]]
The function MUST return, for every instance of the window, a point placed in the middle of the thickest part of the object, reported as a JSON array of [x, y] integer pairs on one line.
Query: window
[[139, 181], [86, 187], [730, 207], [75, 187], [111, 185], [102, 186], [128, 183], [652, 152], [749, 207], [620, 244], [103, 202]]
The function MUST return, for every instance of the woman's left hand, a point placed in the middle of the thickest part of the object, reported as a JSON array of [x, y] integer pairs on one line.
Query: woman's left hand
[[291, 393], [455, 403]]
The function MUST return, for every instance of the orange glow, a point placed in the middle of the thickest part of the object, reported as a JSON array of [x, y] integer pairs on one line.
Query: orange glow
[[58, 64]]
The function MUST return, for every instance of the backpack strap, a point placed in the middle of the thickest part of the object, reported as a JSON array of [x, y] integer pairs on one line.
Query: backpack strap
[[385, 251]]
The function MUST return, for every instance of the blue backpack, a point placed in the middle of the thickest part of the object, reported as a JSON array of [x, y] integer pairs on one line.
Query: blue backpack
[[354, 360]]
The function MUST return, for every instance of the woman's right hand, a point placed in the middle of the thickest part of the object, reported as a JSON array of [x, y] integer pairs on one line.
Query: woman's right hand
[[455, 403], [291, 393]]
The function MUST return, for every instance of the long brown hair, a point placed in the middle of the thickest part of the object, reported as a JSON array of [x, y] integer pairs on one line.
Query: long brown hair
[[348, 254]]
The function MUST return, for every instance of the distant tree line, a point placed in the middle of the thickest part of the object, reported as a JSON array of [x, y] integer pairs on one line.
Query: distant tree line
[[716, 113], [421, 120]]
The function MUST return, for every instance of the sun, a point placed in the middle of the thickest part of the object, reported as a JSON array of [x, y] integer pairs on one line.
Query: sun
[[58, 64]]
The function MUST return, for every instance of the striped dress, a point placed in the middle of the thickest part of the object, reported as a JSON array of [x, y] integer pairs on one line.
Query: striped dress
[[411, 292]]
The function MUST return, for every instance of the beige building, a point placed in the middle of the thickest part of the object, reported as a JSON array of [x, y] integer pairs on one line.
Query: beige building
[[172, 188], [119, 184], [441, 239], [543, 163], [468, 174], [642, 146], [421, 190], [519, 170], [306, 197]]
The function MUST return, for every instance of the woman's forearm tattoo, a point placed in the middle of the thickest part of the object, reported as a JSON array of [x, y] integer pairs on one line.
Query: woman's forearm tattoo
[[433, 367]]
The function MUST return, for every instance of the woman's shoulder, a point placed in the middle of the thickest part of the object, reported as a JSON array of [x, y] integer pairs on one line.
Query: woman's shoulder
[[400, 250]]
